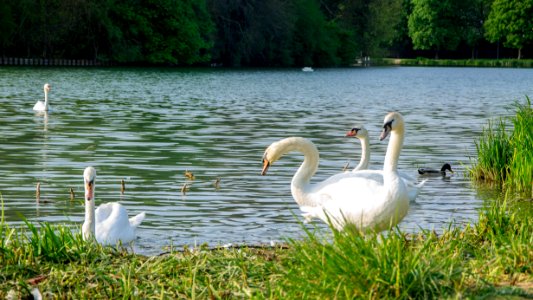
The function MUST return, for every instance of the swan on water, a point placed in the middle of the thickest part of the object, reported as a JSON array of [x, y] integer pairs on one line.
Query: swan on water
[[434, 172], [40, 105], [360, 132], [109, 223], [348, 198]]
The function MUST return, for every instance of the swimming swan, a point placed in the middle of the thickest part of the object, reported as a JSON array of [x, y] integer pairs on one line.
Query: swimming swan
[[109, 224], [361, 133], [40, 105], [348, 198], [379, 205]]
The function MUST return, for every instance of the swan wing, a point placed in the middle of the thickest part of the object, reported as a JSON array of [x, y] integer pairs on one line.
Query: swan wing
[[362, 202], [413, 188], [348, 187], [39, 106], [113, 225]]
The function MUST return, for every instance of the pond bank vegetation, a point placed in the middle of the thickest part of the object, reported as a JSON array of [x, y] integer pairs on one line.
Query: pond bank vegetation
[[505, 152], [427, 62], [490, 258]]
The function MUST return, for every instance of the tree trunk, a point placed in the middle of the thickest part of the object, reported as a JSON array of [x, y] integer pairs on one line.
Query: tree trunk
[[519, 53]]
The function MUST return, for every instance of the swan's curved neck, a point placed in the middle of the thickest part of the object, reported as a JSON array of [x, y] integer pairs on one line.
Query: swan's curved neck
[[365, 155], [45, 98], [394, 148], [89, 226], [302, 177]]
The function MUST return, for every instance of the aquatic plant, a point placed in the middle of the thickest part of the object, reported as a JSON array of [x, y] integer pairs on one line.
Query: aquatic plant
[[505, 156]]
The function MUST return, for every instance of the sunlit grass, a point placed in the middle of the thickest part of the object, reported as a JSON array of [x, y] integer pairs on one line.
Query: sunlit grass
[[484, 258], [505, 151], [490, 258]]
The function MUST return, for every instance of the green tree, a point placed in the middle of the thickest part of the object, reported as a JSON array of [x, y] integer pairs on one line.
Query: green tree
[[314, 43], [384, 19], [276, 33], [511, 21], [435, 24], [473, 15], [7, 25], [161, 32]]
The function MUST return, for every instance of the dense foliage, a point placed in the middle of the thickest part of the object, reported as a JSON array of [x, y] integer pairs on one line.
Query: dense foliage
[[263, 32]]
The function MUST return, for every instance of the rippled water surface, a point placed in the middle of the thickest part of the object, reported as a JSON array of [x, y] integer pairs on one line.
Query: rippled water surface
[[148, 126]]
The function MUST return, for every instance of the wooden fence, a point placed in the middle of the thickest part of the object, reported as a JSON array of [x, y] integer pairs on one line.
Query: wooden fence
[[17, 61]]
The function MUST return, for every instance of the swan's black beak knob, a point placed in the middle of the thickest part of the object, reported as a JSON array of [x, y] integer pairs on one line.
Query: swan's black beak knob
[[386, 130]]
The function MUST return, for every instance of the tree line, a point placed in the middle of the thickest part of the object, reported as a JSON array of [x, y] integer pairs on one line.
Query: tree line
[[264, 32]]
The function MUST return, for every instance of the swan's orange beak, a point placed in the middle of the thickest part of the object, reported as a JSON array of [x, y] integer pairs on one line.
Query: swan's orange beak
[[89, 191], [266, 164], [352, 132]]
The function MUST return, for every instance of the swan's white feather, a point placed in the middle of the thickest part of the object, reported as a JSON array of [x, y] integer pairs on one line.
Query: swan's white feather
[[113, 224], [39, 106], [361, 133], [137, 220]]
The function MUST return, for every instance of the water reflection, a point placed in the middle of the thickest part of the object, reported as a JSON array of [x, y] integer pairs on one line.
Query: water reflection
[[216, 124]]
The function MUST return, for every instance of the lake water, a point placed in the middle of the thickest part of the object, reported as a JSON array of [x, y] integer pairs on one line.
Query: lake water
[[148, 126]]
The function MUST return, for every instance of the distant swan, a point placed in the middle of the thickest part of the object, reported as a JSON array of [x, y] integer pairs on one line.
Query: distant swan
[[109, 224], [348, 198], [40, 105], [433, 172], [360, 132]]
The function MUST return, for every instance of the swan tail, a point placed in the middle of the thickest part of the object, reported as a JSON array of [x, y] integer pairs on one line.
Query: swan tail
[[137, 220]]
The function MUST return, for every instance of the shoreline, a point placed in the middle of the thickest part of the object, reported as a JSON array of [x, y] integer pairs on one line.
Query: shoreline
[[427, 62]]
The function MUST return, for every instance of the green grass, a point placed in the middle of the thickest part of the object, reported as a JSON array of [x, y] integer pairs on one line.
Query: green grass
[[486, 258], [505, 151], [490, 258], [508, 63]]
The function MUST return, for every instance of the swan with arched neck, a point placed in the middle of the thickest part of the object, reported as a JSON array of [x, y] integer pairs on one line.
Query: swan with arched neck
[[109, 223]]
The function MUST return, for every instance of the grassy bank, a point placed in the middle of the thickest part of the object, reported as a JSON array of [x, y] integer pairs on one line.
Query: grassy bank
[[508, 63], [492, 257], [505, 152]]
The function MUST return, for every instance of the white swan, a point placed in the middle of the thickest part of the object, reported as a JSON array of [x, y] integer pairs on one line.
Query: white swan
[[348, 198], [40, 105], [109, 224], [360, 132]]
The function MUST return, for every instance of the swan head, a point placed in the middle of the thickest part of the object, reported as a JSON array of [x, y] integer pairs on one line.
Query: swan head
[[89, 176], [358, 131], [46, 87], [277, 149], [272, 153], [393, 121]]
